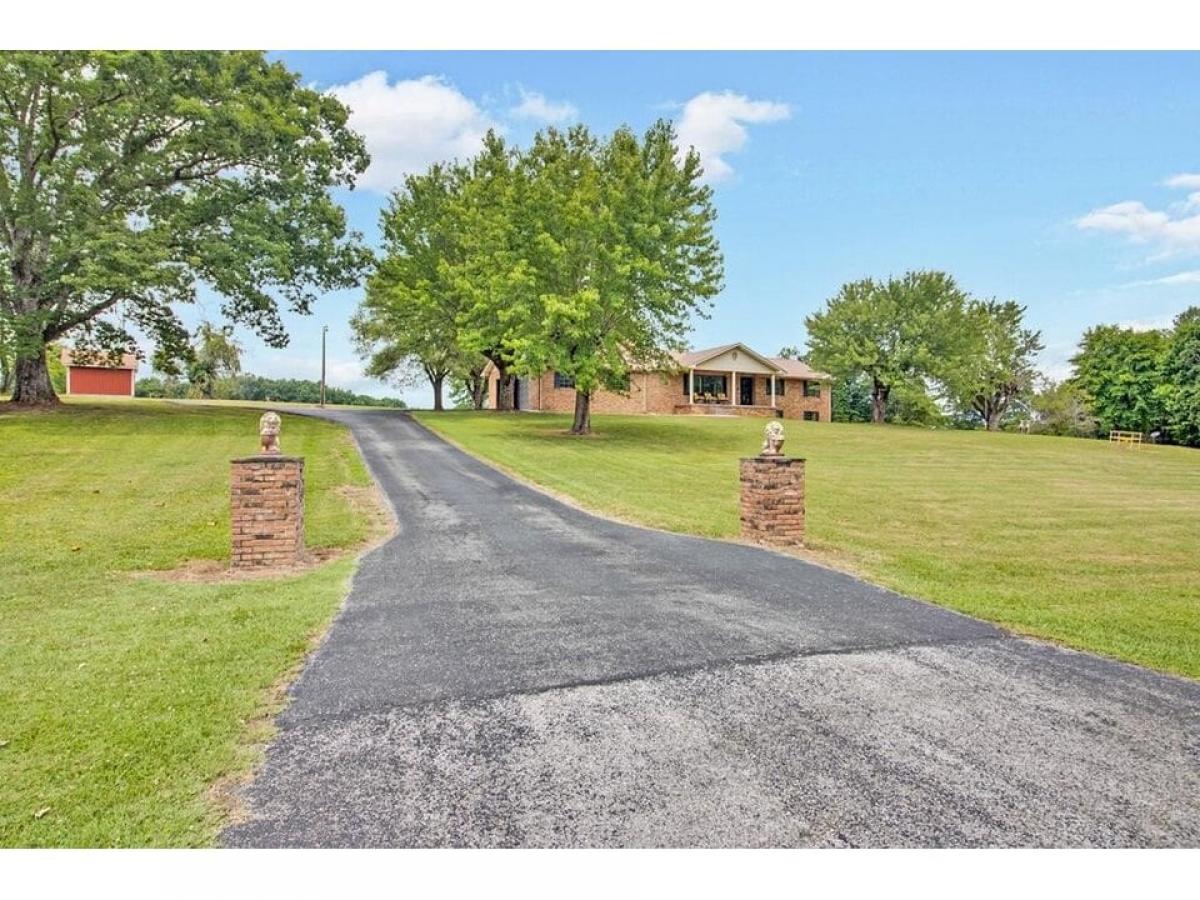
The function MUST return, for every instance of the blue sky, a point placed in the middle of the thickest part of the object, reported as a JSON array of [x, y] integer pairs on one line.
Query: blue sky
[[1068, 182]]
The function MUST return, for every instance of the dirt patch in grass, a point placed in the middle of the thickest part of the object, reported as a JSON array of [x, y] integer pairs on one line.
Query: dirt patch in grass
[[367, 501]]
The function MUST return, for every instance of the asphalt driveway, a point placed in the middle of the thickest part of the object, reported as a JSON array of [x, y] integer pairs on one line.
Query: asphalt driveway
[[511, 671]]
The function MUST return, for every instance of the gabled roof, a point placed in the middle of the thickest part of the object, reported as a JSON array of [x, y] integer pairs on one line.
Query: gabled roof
[[694, 358], [793, 368], [98, 360]]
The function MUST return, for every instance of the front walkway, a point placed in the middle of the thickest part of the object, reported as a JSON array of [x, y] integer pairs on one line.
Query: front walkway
[[509, 671]]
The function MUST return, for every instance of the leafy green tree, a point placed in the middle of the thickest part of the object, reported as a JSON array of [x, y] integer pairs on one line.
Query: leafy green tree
[[850, 399], [1120, 373], [410, 315], [215, 355], [899, 333], [621, 251], [55, 368], [996, 370], [580, 255], [1060, 408], [128, 178], [1181, 370], [493, 272]]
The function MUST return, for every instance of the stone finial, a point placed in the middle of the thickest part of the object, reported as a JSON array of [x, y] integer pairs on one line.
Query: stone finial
[[772, 439], [268, 431]]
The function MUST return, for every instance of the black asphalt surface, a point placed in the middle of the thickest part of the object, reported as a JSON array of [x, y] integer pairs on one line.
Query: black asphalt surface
[[511, 671]]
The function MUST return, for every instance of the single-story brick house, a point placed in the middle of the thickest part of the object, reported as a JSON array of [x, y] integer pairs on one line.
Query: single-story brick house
[[727, 380], [110, 375]]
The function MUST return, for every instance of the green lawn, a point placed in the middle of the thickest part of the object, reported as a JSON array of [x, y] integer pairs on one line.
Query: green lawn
[[125, 695], [1087, 544]]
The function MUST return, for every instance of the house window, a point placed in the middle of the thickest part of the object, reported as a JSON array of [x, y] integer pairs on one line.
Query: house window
[[779, 386], [711, 384], [811, 416], [563, 381], [812, 389]]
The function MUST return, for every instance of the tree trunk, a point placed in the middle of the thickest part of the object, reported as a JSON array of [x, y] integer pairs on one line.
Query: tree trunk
[[504, 391], [437, 381], [583, 413], [478, 391], [879, 398], [993, 419], [31, 386]]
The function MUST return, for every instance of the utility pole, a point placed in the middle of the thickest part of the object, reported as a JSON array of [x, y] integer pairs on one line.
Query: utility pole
[[324, 330]]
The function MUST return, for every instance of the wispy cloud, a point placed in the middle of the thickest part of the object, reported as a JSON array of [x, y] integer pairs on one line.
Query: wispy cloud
[[1171, 231], [535, 107], [1190, 277], [1187, 180], [411, 124], [1153, 323], [715, 125]]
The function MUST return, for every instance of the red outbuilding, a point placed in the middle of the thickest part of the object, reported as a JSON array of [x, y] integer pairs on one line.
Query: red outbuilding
[[96, 373]]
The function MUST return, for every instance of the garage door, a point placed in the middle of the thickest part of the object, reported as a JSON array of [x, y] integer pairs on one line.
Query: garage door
[[101, 381]]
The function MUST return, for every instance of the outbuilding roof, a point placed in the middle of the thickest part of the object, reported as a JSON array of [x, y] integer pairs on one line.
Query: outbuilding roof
[[94, 359]]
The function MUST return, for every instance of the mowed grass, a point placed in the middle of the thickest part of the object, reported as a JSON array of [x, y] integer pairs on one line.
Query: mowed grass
[[126, 696], [1087, 544]]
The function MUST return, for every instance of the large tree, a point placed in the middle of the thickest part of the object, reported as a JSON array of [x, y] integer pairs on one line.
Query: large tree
[[409, 317], [996, 369], [1181, 369], [899, 333], [620, 248], [127, 179], [581, 255], [1120, 372], [493, 273]]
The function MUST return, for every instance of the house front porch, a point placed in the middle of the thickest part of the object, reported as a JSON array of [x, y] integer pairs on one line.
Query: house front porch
[[727, 409]]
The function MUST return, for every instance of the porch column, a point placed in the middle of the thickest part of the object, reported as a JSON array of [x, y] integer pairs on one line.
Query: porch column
[[735, 389], [691, 386], [772, 390]]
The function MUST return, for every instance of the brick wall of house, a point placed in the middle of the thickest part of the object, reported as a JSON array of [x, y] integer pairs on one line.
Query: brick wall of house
[[793, 402], [658, 393], [267, 511], [649, 392]]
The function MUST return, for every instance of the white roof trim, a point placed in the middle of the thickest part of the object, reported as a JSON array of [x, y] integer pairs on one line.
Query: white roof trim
[[718, 351]]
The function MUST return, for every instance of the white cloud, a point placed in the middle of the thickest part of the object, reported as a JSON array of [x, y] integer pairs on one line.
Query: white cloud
[[1154, 323], [715, 125], [535, 106], [1187, 180], [1189, 277], [1173, 231], [411, 124]]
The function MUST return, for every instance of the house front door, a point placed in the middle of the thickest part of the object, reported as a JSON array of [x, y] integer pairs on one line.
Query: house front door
[[746, 390]]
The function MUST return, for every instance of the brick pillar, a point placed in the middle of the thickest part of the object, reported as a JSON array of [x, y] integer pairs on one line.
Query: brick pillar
[[773, 500], [267, 511]]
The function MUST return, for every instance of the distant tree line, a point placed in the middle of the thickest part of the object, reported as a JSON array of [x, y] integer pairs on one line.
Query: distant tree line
[[256, 387], [212, 369], [1146, 381], [918, 350]]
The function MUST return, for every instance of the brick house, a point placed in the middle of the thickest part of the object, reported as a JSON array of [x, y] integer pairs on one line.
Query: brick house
[[727, 380]]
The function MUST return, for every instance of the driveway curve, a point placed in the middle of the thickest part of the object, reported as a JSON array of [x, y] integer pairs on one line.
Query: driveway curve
[[511, 671]]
